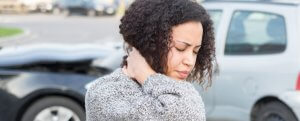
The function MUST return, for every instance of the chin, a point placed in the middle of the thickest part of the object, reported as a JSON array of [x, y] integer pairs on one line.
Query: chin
[[175, 77], [178, 79]]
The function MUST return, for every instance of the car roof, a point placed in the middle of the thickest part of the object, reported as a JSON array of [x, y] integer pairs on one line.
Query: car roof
[[279, 2]]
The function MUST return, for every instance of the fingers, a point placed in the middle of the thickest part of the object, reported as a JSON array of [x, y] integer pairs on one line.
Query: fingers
[[133, 54], [137, 67], [133, 62]]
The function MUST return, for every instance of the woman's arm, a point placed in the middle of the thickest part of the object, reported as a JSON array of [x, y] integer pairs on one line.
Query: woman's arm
[[163, 98], [168, 100], [160, 98]]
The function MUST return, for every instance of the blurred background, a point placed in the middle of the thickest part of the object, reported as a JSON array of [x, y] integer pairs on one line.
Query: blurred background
[[61, 21], [50, 51]]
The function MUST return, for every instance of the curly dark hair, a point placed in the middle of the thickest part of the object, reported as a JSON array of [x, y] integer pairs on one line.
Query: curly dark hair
[[147, 26]]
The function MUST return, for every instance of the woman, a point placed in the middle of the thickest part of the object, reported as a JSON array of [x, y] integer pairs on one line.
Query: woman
[[170, 44]]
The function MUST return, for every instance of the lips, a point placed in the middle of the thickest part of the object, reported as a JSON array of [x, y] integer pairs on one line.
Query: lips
[[183, 74]]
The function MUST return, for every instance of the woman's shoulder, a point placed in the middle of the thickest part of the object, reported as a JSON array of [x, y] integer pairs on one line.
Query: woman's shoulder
[[116, 81], [112, 87], [112, 77]]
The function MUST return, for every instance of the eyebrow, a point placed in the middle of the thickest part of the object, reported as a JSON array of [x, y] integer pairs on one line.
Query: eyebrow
[[188, 44]]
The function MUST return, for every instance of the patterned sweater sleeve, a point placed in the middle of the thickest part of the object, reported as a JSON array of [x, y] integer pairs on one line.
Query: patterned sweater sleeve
[[160, 99], [169, 100]]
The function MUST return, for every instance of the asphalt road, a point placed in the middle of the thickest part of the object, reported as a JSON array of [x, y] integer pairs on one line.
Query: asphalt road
[[47, 28]]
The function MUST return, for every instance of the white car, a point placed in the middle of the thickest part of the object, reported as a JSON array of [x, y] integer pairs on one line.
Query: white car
[[258, 52]]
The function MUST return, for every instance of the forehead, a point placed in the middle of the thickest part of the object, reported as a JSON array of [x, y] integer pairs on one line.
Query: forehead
[[188, 32]]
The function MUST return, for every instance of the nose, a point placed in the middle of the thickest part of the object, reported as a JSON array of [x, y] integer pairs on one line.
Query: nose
[[189, 59]]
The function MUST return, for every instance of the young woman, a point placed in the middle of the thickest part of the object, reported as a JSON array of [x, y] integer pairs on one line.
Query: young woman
[[170, 45]]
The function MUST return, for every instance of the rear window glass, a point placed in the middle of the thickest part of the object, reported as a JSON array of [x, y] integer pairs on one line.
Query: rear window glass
[[253, 33]]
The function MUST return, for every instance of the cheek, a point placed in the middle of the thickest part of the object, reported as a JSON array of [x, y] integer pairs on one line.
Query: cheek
[[173, 60]]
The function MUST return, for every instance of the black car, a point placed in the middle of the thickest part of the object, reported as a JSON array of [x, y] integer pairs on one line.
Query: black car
[[68, 7], [47, 82]]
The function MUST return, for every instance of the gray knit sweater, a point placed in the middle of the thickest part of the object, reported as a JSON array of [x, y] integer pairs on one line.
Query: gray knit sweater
[[116, 97]]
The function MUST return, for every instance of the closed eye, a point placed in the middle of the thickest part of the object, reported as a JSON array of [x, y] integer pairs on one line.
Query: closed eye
[[179, 49]]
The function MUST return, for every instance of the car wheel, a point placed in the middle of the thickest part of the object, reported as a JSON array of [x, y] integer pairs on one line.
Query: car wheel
[[54, 109], [274, 111]]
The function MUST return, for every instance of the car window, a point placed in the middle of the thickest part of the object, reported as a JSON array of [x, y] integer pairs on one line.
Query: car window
[[252, 33], [216, 17]]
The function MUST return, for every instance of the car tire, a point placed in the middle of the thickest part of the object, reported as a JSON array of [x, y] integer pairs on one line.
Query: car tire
[[274, 111], [49, 108]]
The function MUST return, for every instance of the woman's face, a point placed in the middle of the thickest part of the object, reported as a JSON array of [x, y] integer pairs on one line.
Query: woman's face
[[185, 44]]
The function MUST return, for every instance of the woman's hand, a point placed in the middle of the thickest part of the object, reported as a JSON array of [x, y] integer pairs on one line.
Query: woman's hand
[[137, 67]]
